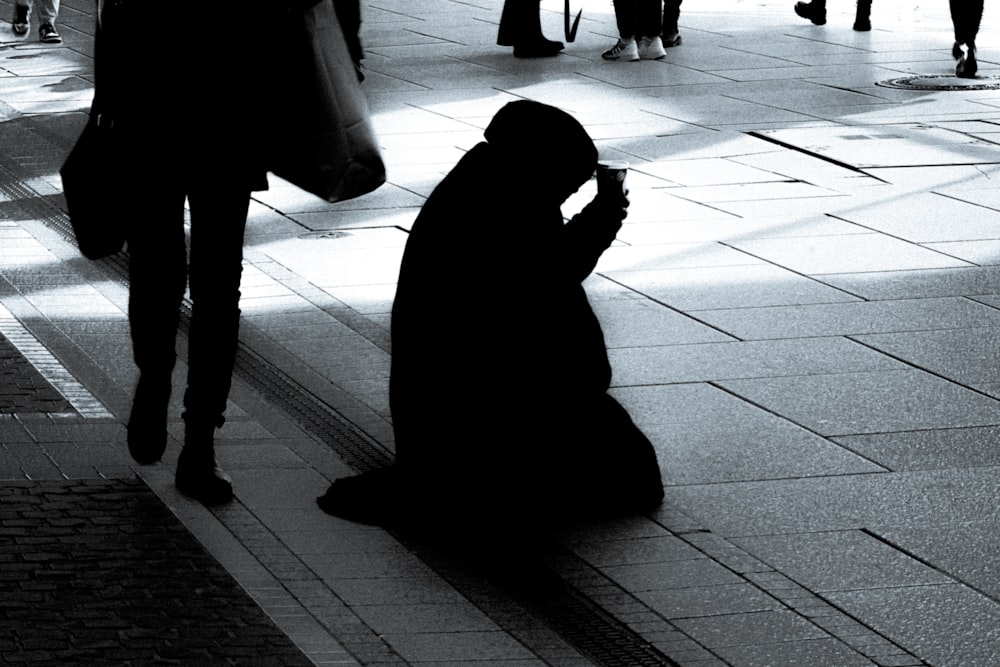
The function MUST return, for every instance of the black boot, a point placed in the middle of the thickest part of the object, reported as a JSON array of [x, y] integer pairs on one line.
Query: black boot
[[862, 19], [815, 11], [147, 422], [965, 54], [521, 27], [198, 476]]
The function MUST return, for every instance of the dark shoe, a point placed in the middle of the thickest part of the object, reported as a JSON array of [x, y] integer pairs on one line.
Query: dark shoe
[[147, 423], [375, 497], [967, 66], [47, 33], [538, 48], [20, 21], [809, 10], [199, 477], [671, 39]]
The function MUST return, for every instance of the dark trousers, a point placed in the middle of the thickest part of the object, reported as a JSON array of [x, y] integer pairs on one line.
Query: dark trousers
[[671, 14], [642, 18], [966, 16], [520, 22], [638, 18], [159, 270]]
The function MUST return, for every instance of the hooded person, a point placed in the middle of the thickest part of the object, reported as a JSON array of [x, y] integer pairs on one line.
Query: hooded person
[[499, 378]]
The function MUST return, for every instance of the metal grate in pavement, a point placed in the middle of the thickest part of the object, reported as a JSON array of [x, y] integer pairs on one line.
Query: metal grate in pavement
[[941, 82]]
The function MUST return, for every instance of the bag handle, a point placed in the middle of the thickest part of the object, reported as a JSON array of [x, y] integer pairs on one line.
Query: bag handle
[[571, 31]]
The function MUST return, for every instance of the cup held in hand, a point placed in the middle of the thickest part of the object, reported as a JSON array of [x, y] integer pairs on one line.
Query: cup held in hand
[[611, 181]]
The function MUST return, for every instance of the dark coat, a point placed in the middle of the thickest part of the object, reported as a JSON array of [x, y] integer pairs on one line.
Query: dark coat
[[197, 102], [499, 367]]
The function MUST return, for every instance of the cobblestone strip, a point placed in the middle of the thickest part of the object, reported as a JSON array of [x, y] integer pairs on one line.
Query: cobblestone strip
[[100, 572]]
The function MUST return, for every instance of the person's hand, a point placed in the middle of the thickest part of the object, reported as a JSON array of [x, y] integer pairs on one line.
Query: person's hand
[[604, 207]]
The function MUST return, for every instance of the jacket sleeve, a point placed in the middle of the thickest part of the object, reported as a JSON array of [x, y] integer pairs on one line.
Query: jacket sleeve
[[587, 236]]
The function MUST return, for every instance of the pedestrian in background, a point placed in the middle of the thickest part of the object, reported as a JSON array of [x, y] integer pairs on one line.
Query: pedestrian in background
[[966, 17], [670, 36], [815, 11], [47, 10], [521, 27], [639, 25]]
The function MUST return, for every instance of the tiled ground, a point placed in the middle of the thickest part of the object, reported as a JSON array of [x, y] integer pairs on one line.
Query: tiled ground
[[801, 312]]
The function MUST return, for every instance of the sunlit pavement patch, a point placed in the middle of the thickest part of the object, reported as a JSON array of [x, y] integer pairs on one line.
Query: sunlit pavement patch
[[942, 82], [34, 380]]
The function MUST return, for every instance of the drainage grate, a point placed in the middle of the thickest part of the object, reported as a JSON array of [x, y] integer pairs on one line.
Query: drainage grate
[[310, 412], [942, 82]]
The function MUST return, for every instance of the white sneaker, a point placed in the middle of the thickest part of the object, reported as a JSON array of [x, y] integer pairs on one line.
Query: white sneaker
[[651, 48], [625, 49]]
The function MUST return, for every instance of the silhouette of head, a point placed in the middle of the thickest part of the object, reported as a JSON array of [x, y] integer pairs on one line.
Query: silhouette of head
[[554, 151]]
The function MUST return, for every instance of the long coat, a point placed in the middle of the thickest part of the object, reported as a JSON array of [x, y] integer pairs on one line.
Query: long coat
[[500, 372]]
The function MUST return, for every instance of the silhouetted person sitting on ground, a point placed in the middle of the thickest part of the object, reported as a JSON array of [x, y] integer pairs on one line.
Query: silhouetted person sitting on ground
[[500, 373]]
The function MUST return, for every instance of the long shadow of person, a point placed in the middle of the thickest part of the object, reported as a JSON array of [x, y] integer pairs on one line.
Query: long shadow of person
[[500, 372]]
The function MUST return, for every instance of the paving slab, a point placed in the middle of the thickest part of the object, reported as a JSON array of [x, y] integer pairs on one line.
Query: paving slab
[[870, 402], [949, 624], [927, 450], [838, 561], [900, 145], [975, 565], [868, 317], [729, 287], [966, 356], [703, 435], [911, 499], [848, 254], [971, 282], [677, 363]]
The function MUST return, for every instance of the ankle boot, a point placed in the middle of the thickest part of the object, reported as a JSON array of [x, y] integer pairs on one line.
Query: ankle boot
[[862, 19], [815, 11], [966, 67], [147, 422], [198, 476]]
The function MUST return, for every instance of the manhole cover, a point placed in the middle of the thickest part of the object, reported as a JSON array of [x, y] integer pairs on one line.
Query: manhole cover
[[323, 235], [942, 82]]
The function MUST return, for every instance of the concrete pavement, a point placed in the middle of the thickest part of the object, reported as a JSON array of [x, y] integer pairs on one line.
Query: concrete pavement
[[801, 312]]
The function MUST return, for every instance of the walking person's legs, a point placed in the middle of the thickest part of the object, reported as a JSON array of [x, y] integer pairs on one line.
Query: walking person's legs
[[521, 27], [670, 33], [47, 12], [966, 18], [19, 23], [626, 19], [218, 223], [862, 16], [648, 26], [157, 279]]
